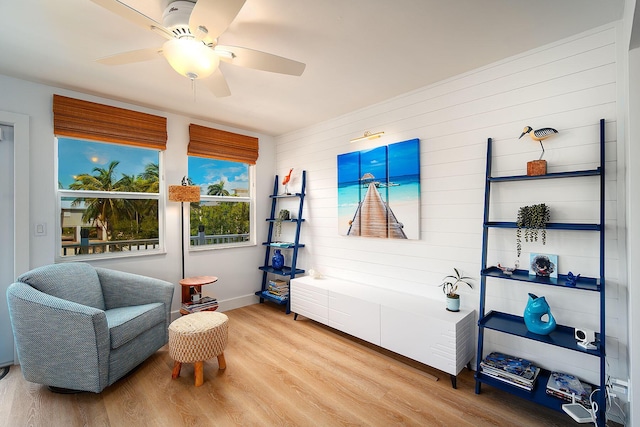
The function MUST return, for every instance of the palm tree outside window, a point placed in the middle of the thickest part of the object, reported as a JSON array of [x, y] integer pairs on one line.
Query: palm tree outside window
[[223, 217], [108, 196]]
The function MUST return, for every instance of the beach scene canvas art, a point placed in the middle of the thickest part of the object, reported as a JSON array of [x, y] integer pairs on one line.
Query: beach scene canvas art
[[379, 192]]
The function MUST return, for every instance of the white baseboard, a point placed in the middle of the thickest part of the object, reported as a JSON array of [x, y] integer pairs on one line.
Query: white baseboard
[[238, 302], [228, 304]]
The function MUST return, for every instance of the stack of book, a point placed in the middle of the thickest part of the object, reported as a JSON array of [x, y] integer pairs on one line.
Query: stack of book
[[510, 369], [278, 289], [282, 244], [204, 304], [565, 386]]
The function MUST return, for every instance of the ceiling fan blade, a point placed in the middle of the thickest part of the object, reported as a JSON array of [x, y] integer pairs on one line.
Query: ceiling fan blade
[[132, 15], [210, 18], [131, 57], [217, 84], [258, 60]]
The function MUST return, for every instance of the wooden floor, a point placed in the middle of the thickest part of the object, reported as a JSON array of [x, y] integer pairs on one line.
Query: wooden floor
[[279, 372]]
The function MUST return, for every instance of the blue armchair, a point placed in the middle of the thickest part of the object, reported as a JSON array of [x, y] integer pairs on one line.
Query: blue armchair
[[81, 327]]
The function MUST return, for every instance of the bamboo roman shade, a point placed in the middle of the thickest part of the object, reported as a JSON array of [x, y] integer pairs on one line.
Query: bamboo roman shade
[[219, 144], [88, 120]]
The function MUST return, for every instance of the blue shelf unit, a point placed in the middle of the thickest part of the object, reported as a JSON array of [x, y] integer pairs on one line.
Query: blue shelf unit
[[289, 271], [562, 336]]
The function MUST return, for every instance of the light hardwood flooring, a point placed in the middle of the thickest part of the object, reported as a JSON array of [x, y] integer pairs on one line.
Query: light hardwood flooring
[[279, 372]]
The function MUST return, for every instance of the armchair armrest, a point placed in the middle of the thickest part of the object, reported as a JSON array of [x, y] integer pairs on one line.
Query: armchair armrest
[[60, 343], [122, 289]]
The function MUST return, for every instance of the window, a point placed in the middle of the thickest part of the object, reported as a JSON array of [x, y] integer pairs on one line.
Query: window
[[224, 215], [108, 195], [221, 163]]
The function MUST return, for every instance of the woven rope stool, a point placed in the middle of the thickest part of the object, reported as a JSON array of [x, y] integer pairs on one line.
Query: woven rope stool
[[195, 338]]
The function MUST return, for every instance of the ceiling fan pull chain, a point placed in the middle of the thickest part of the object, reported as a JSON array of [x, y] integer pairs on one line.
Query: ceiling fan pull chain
[[193, 89]]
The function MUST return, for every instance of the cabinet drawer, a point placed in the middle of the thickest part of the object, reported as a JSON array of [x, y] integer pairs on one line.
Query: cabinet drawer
[[355, 316], [445, 345], [309, 301]]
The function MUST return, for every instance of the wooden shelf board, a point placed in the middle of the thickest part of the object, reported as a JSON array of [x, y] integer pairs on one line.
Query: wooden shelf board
[[584, 283], [562, 336]]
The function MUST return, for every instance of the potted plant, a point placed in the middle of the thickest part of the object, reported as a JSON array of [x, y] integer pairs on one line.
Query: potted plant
[[283, 215], [450, 288], [534, 220]]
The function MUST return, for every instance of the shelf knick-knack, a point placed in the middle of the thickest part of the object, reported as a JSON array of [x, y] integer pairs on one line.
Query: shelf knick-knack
[[572, 279], [283, 215], [534, 220], [536, 308], [538, 167], [450, 288], [277, 261]]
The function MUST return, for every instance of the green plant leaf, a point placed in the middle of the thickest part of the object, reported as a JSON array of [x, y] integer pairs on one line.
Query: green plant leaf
[[533, 219]]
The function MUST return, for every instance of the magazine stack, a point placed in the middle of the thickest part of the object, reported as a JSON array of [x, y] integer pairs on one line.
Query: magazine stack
[[278, 289], [565, 386], [204, 304], [510, 369]]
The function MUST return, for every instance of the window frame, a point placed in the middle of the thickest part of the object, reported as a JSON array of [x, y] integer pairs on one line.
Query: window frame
[[63, 193], [252, 212]]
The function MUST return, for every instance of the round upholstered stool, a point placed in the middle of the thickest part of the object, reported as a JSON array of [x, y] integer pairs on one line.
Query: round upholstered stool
[[195, 338]]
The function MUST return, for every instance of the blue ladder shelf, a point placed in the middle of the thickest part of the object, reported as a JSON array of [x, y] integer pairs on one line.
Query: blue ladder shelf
[[562, 336], [287, 271]]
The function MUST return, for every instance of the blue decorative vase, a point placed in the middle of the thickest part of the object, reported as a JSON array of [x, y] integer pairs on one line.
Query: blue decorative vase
[[277, 261], [536, 308]]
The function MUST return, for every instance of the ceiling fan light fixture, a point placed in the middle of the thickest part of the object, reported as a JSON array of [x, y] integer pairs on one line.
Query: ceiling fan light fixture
[[191, 58]]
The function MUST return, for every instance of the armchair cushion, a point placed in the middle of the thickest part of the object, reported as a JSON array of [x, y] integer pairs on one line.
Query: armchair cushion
[[126, 323], [75, 282]]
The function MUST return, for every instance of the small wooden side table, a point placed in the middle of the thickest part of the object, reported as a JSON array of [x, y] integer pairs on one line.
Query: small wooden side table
[[196, 283]]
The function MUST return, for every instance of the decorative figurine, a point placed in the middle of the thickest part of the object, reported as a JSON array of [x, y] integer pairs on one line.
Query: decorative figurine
[[506, 270], [285, 181], [539, 135], [538, 167], [536, 308], [572, 279]]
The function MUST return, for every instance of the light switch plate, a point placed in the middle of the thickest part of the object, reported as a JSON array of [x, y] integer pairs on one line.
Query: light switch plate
[[40, 229]]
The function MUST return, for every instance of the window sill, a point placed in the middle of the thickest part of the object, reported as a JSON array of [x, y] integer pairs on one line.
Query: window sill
[[221, 246], [109, 255]]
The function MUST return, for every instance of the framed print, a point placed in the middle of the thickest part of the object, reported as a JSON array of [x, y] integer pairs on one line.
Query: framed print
[[543, 265], [379, 192]]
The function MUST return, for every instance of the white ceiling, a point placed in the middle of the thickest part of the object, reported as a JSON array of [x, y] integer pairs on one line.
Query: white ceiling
[[358, 52]]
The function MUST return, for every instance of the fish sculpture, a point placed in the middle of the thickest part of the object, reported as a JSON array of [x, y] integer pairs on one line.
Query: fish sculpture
[[536, 308]]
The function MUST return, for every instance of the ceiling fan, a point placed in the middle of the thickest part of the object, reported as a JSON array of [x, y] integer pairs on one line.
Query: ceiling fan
[[192, 49]]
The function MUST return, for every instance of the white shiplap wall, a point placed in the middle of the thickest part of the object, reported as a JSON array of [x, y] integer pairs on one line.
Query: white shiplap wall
[[568, 85]]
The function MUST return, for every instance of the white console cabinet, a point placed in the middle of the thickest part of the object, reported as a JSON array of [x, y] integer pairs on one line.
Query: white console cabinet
[[411, 325]]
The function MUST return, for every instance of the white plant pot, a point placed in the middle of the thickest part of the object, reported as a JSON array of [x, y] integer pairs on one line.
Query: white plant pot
[[453, 304]]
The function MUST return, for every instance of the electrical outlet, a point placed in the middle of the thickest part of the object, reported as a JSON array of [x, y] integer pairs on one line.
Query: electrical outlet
[[620, 382], [620, 388]]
